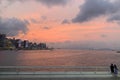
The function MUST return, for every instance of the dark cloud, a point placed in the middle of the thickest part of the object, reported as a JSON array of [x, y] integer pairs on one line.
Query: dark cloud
[[48, 3], [51, 3], [46, 28], [65, 21], [114, 18], [94, 8], [13, 26], [34, 21]]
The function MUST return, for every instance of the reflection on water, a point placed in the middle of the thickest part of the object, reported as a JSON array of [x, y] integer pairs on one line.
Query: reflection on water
[[59, 58]]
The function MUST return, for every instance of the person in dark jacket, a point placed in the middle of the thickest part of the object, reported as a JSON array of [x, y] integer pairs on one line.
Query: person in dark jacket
[[112, 68]]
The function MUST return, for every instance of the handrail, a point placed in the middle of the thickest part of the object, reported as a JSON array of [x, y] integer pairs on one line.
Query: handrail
[[86, 71], [54, 67], [81, 68]]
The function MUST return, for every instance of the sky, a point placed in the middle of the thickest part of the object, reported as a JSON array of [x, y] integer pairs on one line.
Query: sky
[[63, 23]]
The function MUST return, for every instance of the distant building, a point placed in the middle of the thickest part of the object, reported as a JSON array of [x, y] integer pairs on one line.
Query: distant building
[[42, 46], [2, 40], [18, 43], [25, 44], [30, 45], [10, 44]]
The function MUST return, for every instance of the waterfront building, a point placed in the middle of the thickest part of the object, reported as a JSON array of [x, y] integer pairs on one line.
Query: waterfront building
[[25, 44], [30, 45], [2, 40], [6, 43], [18, 44], [42, 46], [9, 45]]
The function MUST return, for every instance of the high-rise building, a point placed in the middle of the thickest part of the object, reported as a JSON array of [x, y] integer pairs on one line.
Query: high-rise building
[[18, 43], [25, 44], [2, 40], [42, 45]]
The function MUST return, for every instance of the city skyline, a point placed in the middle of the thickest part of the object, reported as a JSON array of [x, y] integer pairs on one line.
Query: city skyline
[[69, 23]]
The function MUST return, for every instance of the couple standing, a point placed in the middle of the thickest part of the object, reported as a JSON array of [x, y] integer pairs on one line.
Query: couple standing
[[114, 69]]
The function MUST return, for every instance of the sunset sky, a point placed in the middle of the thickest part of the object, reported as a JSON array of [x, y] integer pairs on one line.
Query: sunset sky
[[63, 23]]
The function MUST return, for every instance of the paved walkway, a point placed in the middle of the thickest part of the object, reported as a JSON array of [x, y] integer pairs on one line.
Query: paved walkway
[[95, 73], [58, 75]]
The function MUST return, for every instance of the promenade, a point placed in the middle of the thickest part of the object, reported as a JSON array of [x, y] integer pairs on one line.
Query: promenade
[[84, 73]]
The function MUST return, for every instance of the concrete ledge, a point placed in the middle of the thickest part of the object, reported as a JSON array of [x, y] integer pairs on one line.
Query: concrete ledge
[[56, 75]]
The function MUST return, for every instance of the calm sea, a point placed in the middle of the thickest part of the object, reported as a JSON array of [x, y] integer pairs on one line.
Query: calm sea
[[59, 58]]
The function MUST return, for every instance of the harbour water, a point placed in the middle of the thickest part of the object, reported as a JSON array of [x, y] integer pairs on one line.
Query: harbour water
[[59, 58]]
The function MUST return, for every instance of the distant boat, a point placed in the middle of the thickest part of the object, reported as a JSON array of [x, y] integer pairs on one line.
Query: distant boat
[[51, 49], [118, 51]]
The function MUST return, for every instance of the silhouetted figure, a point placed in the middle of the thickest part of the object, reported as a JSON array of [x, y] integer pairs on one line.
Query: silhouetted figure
[[115, 70], [112, 68]]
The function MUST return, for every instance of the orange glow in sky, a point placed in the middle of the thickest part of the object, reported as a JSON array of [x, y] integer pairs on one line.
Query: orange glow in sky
[[61, 20]]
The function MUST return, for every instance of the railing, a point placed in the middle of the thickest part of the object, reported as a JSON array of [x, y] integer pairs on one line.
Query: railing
[[54, 68], [19, 72]]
